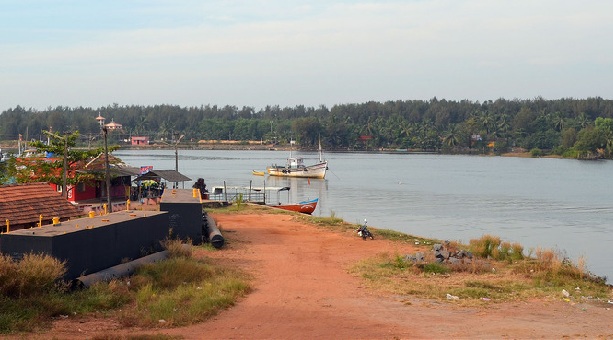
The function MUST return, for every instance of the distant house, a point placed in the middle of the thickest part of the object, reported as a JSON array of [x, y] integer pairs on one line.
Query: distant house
[[113, 126], [140, 140], [25, 205]]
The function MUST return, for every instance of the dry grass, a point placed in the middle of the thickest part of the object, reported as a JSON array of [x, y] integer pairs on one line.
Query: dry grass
[[178, 249], [180, 290], [34, 274], [498, 271]]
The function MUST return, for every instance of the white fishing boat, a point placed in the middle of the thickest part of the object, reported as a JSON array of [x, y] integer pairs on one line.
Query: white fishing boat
[[295, 167]]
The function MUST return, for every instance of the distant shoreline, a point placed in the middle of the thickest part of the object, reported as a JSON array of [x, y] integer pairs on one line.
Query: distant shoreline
[[268, 147], [11, 147]]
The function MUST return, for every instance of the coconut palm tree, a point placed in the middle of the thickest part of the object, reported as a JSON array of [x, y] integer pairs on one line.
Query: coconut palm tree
[[451, 137]]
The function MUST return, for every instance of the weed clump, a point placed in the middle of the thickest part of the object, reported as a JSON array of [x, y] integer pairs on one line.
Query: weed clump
[[177, 249], [34, 274], [491, 247]]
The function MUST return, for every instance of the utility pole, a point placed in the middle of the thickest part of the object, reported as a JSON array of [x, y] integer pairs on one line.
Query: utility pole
[[107, 170], [177, 158]]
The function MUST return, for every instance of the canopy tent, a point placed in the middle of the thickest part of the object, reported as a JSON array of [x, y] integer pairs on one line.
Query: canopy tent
[[168, 175]]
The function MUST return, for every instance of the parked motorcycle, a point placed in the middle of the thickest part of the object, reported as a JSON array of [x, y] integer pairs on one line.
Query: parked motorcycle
[[363, 232]]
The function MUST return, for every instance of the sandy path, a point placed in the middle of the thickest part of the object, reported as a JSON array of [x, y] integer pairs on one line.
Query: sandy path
[[302, 290]]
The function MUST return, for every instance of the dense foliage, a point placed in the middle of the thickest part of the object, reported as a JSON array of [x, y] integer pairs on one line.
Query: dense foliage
[[580, 128]]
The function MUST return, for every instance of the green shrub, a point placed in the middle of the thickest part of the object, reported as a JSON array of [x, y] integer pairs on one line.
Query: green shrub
[[517, 252], [571, 153], [536, 152], [559, 150], [436, 268], [486, 246]]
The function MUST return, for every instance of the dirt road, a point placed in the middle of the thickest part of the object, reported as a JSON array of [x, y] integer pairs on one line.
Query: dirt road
[[303, 290]]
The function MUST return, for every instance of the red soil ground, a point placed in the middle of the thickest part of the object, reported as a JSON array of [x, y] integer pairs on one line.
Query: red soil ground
[[303, 290]]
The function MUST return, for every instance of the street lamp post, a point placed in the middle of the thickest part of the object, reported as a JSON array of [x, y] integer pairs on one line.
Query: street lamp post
[[107, 170], [177, 158], [107, 166]]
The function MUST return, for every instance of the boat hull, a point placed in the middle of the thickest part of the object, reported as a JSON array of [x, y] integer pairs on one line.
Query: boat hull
[[306, 207], [312, 171]]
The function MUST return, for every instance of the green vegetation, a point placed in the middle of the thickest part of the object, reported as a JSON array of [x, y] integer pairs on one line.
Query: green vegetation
[[536, 152], [499, 271], [239, 201], [581, 128], [398, 236], [489, 246], [180, 290], [327, 222]]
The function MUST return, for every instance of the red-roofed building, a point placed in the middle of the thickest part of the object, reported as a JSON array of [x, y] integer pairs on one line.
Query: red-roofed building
[[23, 204]]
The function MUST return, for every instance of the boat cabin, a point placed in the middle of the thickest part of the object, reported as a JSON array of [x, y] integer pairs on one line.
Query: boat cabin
[[295, 163]]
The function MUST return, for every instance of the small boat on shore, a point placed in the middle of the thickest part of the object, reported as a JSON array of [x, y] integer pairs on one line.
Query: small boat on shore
[[305, 207], [294, 167], [258, 173]]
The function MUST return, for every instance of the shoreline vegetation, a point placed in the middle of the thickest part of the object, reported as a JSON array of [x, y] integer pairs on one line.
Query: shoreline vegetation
[[489, 270], [9, 148], [568, 127]]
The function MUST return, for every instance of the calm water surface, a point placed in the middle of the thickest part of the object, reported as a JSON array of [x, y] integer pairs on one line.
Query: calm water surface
[[558, 204]]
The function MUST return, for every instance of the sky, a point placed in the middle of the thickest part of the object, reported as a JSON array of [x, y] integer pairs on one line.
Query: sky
[[283, 52]]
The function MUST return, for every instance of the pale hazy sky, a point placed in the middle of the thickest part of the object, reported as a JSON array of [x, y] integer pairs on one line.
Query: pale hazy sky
[[287, 53]]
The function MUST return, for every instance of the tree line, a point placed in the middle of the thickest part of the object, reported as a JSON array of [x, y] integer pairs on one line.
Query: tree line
[[580, 128]]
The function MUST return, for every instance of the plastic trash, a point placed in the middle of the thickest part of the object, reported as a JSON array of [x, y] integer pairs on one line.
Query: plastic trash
[[452, 297]]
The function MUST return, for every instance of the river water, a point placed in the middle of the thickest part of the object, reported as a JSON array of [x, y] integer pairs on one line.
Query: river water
[[559, 204]]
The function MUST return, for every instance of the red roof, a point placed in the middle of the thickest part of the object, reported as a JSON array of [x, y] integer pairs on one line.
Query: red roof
[[22, 204]]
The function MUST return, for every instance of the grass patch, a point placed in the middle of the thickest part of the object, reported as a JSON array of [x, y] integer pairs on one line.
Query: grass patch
[[435, 268], [247, 208], [180, 290], [489, 246], [401, 237], [498, 271]]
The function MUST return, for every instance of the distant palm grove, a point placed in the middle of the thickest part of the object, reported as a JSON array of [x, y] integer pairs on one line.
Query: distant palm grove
[[578, 128]]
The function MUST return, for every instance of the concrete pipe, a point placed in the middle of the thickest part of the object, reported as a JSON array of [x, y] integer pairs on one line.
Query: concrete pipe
[[120, 270], [215, 237]]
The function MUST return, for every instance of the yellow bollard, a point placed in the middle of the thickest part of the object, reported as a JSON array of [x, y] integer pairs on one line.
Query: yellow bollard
[[105, 207], [128, 204], [194, 193], [8, 226], [91, 214], [55, 220], [40, 221]]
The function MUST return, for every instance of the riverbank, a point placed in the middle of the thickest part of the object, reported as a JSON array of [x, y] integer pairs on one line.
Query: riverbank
[[303, 288]]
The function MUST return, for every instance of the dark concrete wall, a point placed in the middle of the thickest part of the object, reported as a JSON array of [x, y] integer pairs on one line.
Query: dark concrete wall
[[184, 213], [90, 245]]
